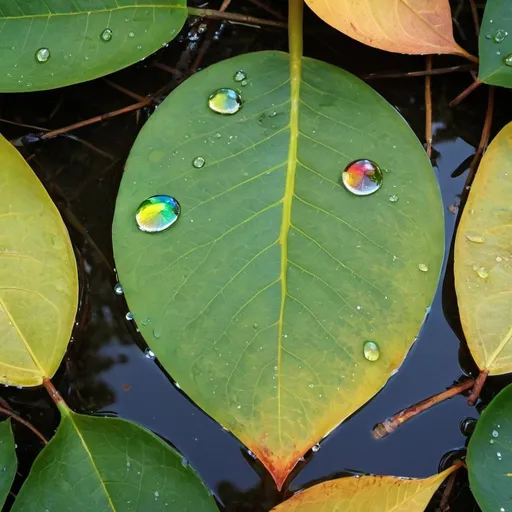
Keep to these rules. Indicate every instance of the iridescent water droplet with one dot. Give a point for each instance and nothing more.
(43, 55)
(423, 267)
(371, 351)
(225, 101)
(362, 177)
(315, 448)
(477, 239)
(393, 198)
(106, 35)
(149, 354)
(239, 76)
(198, 162)
(118, 289)
(499, 36)
(157, 213)
(508, 60)
(129, 316)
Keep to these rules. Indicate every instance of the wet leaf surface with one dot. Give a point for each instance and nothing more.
(8, 461)
(490, 455)
(107, 464)
(260, 298)
(50, 43)
(38, 278)
(366, 494)
(401, 26)
(483, 260)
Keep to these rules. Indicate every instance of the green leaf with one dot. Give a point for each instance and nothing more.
(483, 279)
(73, 33)
(38, 277)
(8, 461)
(489, 457)
(259, 299)
(495, 44)
(107, 464)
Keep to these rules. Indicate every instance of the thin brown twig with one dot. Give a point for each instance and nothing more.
(270, 10)
(225, 5)
(443, 505)
(390, 425)
(122, 89)
(230, 16)
(411, 74)
(466, 92)
(165, 67)
(19, 419)
(477, 388)
(428, 108)
(97, 119)
(474, 14)
(23, 125)
(484, 139)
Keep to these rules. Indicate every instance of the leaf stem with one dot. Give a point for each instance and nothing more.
(230, 16)
(55, 396)
(477, 388)
(428, 108)
(390, 425)
(466, 92)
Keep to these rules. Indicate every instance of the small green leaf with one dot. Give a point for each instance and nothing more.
(489, 457)
(51, 43)
(8, 461)
(260, 298)
(107, 464)
(495, 44)
(38, 277)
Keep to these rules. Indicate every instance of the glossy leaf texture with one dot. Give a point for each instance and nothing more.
(258, 301)
(495, 44)
(367, 494)
(38, 277)
(105, 464)
(8, 461)
(489, 457)
(400, 26)
(483, 260)
(46, 44)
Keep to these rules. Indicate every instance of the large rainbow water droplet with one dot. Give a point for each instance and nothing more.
(225, 101)
(362, 177)
(157, 213)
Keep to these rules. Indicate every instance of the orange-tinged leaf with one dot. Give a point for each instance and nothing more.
(367, 494)
(400, 26)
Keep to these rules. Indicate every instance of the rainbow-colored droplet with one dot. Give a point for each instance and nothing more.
(157, 213)
(225, 101)
(362, 177)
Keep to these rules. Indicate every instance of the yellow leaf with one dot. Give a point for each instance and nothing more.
(483, 259)
(401, 26)
(367, 494)
(38, 277)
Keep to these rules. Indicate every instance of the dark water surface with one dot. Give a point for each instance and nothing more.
(106, 370)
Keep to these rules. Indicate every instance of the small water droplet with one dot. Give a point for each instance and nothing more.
(156, 333)
(139, 47)
(131, 34)
(240, 76)
(499, 36)
(495, 433)
(118, 289)
(243, 83)
(508, 60)
(371, 351)
(225, 101)
(423, 267)
(477, 239)
(157, 494)
(106, 35)
(315, 447)
(43, 55)
(198, 162)
(491, 441)
(157, 213)
(255, 326)
(146, 321)
(482, 273)
(393, 198)
(184, 462)
(149, 354)
(498, 454)
(129, 316)
(362, 177)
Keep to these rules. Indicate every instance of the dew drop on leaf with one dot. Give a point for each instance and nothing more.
(118, 289)
(149, 354)
(131, 34)
(106, 35)
(157, 213)
(508, 60)
(198, 162)
(423, 267)
(499, 36)
(129, 316)
(477, 239)
(225, 101)
(43, 55)
(315, 448)
(240, 76)
(482, 273)
(393, 198)
(362, 177)
(371, 351)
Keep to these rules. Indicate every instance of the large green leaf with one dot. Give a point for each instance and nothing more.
(38, 278)
(495, 44)
(85, 38)
(483, 276)
(259, 299)
(108, 464)
(8, 461)
(489, 457)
